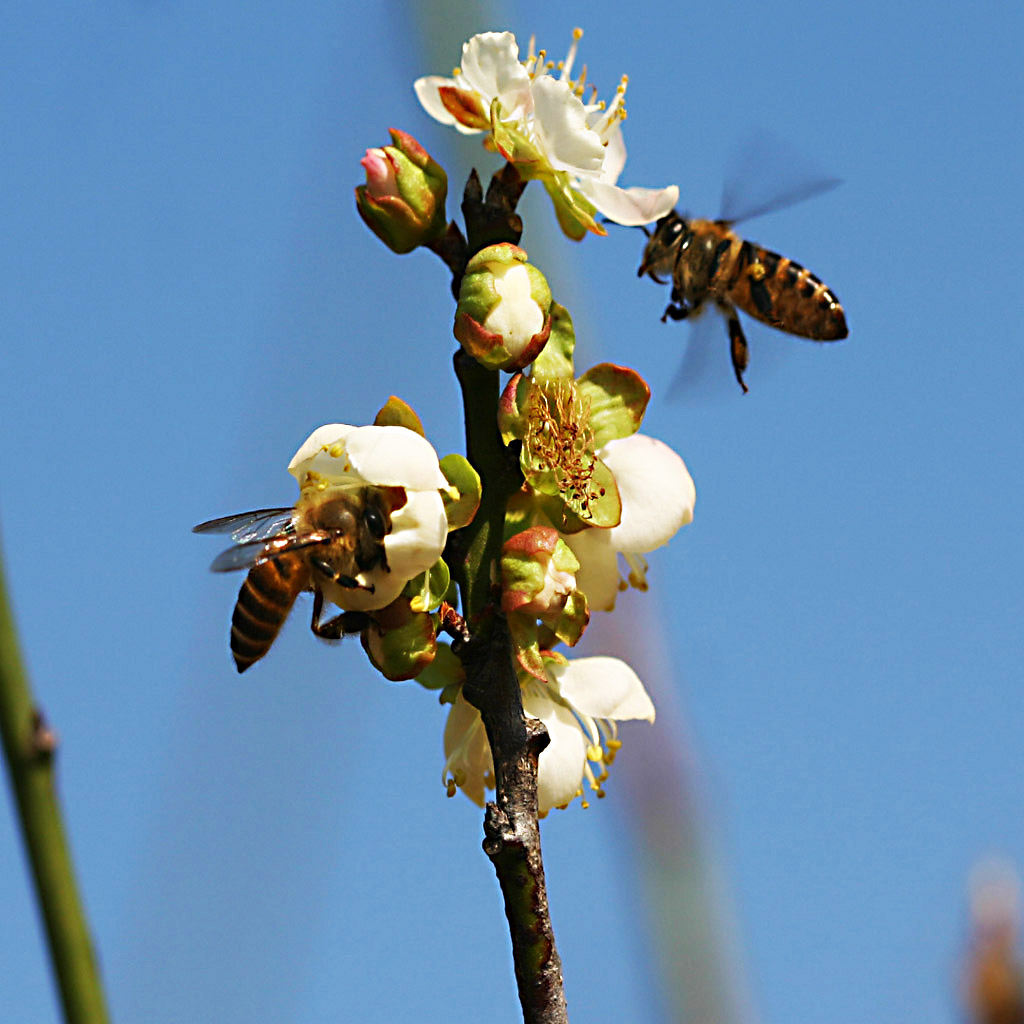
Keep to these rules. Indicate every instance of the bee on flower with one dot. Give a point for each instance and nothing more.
(366, 534)
(548, 128)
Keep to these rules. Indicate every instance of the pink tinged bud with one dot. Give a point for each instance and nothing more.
(380, 174)
(403, 199)
(538, 573)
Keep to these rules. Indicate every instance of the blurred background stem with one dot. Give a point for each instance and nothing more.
(29, 749)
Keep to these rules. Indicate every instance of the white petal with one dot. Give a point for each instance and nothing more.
(614, 154)
(598, 574)
(466, 748)
(517, 317)
(384, 456)
(394, 457)
(560, 768)
(630, 206)
(603, 687)
(330, 433)
(561, 128)
(656, 489)
(490, 67)
(427, 93)
(418, 532)
(386, 587)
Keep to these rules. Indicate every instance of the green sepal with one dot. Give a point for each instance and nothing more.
(403, 643)
(512, 407)
(574, 211)
(573, 621)
(605, 507)
(444, 671)
(555, 362)
(396, 413)
(523, 632)
(617, 397)
(426, 591)
(599, 507)
(465, 480)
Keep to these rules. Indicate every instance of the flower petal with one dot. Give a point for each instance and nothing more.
(418, 532)
(383, 456)
(656, 489)
(490, 66)
(466, 749)
(614, 150)
(561, 127)
(428, 93)
(630, 206)
(602, 687)
(395, 457)
(598, 574)
(560, 768)
(328, 434)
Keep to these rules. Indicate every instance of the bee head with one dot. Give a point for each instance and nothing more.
(662, 247)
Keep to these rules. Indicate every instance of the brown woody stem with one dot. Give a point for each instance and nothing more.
(511, 829)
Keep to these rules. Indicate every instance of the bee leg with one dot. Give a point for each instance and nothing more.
(340, 625)
(677, 308)
(738, 349)
(329, 572)
(676, 311)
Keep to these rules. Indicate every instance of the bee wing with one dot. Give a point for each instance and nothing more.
(768, 175)
(704, 373)
(254, 552)
(247, 527)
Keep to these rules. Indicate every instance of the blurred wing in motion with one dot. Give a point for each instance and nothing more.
(767, 175)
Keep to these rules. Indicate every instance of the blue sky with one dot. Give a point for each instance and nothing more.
(186, 291)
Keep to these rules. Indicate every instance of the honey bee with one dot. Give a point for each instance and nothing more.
(322, 544)
(708, 262)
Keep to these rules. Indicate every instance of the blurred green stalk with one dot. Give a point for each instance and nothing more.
(29, 748)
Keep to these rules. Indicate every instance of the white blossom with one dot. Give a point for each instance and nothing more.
(580, 704)
(338, 456)
(547, 129)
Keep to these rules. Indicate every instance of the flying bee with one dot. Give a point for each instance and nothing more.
(322, 545)
(707, 261)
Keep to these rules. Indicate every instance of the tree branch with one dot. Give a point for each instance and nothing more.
(511, 829)
(29, 748)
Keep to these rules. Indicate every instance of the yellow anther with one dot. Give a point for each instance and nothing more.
(613, 745)
(584, 804)
(450, 787)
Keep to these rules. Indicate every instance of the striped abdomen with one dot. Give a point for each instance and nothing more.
(780, 292)
(266, 598)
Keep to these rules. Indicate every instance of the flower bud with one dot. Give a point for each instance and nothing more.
(403, 199)
(537, 573)
(504, 314)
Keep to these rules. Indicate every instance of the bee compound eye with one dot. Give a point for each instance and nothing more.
(374, 520)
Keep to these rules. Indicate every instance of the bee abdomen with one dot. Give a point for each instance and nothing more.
(264, 601)
(786, 295)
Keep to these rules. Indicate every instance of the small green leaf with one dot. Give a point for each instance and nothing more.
(444, 670)
(405, 647)
(396, 413)
(556, 359)
(618, 398)
(464, 478)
